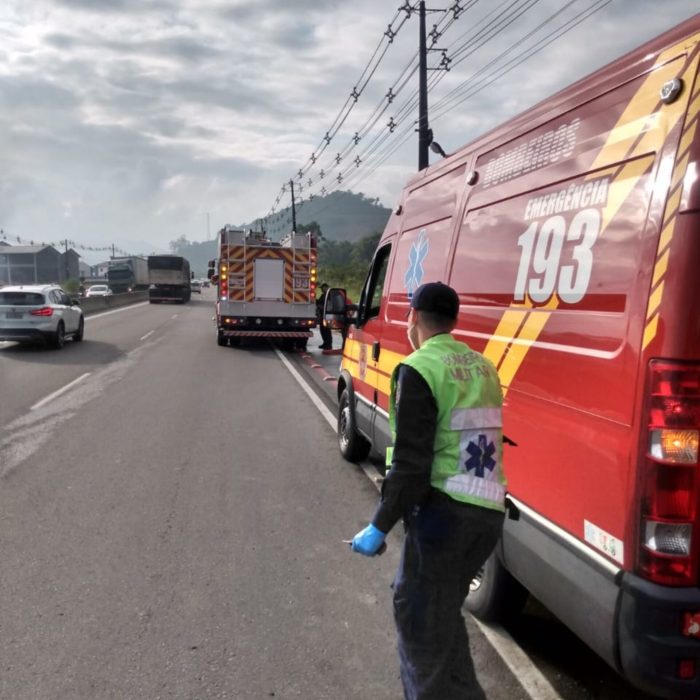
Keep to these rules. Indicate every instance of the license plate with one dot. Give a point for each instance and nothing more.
(14, 314)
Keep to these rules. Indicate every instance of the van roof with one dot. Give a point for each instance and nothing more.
(632, 63)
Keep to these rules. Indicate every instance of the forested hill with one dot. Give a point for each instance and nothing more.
(341, 216)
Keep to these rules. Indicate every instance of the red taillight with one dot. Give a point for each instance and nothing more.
(686, 669)
(670, 486)
(44, 311)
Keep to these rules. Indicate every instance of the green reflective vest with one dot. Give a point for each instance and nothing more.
(468, 452)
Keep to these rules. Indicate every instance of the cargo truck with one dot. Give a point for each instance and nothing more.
(169, 279)
(127, 274)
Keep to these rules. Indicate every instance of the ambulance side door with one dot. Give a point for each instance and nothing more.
(368, 334)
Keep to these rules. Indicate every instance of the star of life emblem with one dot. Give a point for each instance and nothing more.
(416, 255)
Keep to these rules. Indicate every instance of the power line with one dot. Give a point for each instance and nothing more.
(479, 80)
(377, 150)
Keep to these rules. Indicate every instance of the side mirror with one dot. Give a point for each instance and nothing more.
(74, 302)
(210, 272)
(211, 263)
(335, 308)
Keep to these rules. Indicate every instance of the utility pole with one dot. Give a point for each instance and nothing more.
(294, 211)
(423, 130)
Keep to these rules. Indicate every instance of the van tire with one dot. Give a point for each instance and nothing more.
(494, 595)
(353, 446)
(221, 339)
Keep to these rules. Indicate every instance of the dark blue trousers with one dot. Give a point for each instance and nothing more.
(446, 544)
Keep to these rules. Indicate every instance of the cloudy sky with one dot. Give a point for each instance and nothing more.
(134, 122)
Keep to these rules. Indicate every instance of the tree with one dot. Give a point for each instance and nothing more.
(179, 244)
(311, 227)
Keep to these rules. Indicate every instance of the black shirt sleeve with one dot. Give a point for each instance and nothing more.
(408, 481)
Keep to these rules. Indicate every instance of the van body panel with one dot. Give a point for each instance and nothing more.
(572, 236)
(564, 574)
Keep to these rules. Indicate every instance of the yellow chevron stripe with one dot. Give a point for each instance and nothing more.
(694, 107)
(655, 299)
(650, 331)
(672, 204)
(516, 353)
(660, 269)
(680, 171)
(505, 331)
(621, 187)
(666, 235)
(687, 139)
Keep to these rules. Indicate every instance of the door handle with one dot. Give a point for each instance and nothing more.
(375, 350)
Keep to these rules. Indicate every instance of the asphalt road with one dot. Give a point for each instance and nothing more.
(171, 526)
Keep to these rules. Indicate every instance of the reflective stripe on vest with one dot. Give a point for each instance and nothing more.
(468, 451)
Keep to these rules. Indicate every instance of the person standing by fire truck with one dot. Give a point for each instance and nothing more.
(326, 335)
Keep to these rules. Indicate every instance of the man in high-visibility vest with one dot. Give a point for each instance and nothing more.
(446, 482)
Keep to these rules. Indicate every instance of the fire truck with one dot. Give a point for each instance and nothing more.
(266, 289)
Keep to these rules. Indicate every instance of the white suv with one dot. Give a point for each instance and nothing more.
(39, 311)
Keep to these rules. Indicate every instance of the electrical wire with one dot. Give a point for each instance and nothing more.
(384, 144)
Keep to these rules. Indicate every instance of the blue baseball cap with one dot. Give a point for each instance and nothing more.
(436, 298)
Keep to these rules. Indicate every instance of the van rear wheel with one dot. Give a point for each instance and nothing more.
(494, 595)
(353, 446)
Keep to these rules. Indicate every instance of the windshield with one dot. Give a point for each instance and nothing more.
(21, 298)
(165, 263)
(120, 273)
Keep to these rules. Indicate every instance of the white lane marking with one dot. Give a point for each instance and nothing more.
(143, 337)
(174, 315)
(115, 311)
(330, 418)
(526, 673)
(58, 392)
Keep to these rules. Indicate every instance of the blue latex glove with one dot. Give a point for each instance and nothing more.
(368, 541)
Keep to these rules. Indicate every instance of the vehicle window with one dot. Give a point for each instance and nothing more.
(55, 297)
(21, 298)
(374, 287)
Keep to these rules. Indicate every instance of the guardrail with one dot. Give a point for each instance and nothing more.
(92, 305)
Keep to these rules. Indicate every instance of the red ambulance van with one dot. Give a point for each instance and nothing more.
(572, 235)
